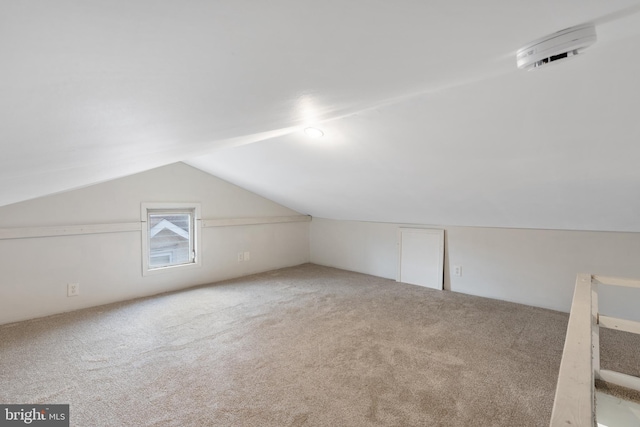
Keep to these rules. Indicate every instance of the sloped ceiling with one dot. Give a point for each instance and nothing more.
(426, 119)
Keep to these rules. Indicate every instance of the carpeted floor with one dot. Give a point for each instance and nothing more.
(307, 345)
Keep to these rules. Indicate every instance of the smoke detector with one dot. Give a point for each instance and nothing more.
(557, 46)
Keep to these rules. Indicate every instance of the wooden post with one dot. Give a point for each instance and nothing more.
(595, 331)
(574, 402)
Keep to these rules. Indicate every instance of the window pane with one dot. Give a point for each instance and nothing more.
(170, 239)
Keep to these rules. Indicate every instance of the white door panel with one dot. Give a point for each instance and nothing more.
(421, 257)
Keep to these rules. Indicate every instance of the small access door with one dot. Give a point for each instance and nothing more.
(421, 257)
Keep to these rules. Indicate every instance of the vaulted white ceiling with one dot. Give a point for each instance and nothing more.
(426, 118)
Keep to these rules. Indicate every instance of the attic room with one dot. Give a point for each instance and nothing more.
(319, 213)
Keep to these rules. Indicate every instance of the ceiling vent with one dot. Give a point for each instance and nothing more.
(557, 46)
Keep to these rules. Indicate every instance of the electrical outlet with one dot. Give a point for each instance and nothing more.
(240, 256)
(73, 289)
(457, 270)
(247, 256)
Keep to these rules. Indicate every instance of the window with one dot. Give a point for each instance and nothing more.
(170, 236)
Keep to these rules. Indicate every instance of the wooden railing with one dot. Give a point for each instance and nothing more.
(574, 403)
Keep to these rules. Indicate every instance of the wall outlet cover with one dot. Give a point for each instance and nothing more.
(73, 289)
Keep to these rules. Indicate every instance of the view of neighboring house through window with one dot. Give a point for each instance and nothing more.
(170, 239)
(170, 236)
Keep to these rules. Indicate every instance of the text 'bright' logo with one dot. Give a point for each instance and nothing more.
(28, 417)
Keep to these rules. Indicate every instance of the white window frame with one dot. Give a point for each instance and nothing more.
(151, 208)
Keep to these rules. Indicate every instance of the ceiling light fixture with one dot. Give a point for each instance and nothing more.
(314, 132)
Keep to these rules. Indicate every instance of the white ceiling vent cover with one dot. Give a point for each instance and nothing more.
(560, 45)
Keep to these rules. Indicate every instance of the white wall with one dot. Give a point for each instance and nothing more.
(534, 267)
(34, 272)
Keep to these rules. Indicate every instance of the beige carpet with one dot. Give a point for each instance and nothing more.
(307, 345)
